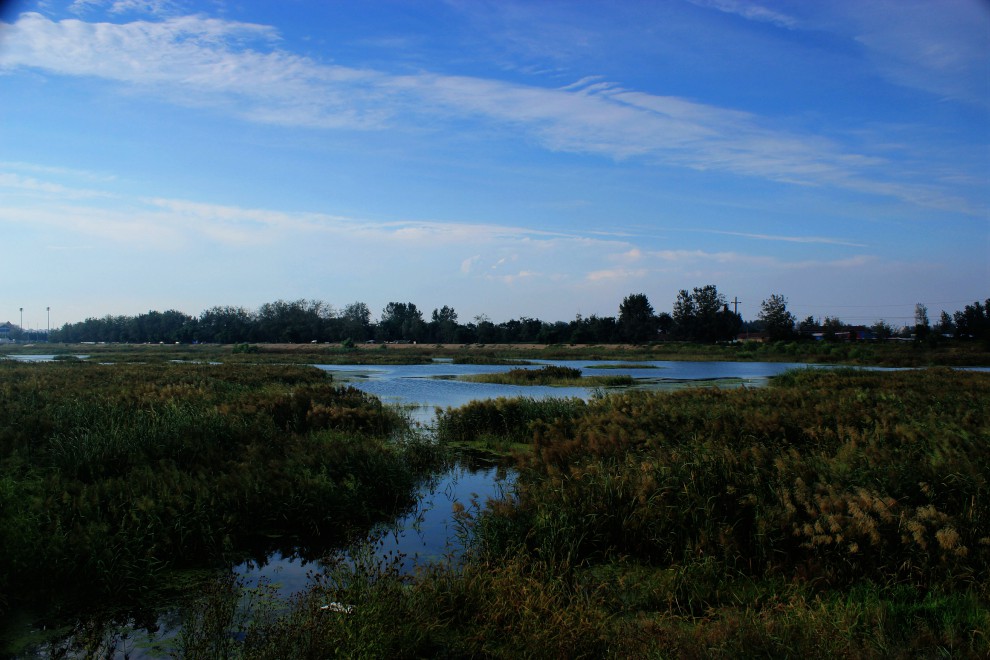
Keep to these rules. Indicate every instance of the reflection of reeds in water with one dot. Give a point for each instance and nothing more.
(113, 474)
(830, 514)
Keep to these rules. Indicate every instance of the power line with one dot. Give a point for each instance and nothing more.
(942, 302)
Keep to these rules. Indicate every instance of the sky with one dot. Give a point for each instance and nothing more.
(506, 158)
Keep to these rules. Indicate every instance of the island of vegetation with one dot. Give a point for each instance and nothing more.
(552, 375)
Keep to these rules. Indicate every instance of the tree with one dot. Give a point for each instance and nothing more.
(401, 321)
(945, 325)
(703, 315)
(224, 325)
(921, 328)
(637, 322)
(444, 327)
(355, 322)
(685, 315)
(882, 330)
(830, 327)
(777, 321)
(974, 321)
(808, 326)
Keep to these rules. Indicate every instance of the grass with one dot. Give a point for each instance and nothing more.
(890, 354)
(112, 477)
(833, 514)
(551, 375)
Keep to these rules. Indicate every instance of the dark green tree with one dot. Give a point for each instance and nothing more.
(831, 326)
(703, 315)
(974, 321)
(224, 325)
(355, 322)
(882, 330)
(921, 326)
(401, 321)
(637, 321)
(778, 323)
(443, 326)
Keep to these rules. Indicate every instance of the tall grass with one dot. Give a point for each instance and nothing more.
(110, 475)
(833, 514)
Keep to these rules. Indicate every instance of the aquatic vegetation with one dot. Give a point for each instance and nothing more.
(113, 475)
(835, 513)
(500, 422)
(552, 375)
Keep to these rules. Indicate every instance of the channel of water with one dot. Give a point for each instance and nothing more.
(431, 532)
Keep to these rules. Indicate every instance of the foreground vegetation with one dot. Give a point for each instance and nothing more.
(114, 476)
(832, 514)
(550, 375)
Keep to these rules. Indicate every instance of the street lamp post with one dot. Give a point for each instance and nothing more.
(48, 332)
(22, 323)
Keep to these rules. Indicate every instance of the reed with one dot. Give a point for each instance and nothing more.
(113, 475)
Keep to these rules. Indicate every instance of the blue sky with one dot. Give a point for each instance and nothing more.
(511, 159)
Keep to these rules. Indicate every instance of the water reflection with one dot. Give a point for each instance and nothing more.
(423, 387)
(430, 532)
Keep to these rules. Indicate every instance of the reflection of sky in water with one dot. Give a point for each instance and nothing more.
(427, 386)
(424, 535)
(429, 532)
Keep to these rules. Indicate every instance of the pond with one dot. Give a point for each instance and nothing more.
(423, 387)
(431, 531)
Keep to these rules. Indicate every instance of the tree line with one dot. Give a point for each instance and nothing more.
(700, 315)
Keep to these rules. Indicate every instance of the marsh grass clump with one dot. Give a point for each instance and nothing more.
(500, 421)
(550, 375)
(833, 514)
(113, 475)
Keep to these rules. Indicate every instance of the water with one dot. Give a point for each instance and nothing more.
(42, 358)
(423, 387)
(428, 533)
(431, 531)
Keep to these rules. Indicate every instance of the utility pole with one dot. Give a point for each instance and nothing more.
(22, 323)
(735, 305)
(48, 332)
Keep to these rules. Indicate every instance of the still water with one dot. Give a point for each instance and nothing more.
(424, 387)
(430, 532)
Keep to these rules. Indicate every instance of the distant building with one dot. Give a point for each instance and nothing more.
(847, 333)
(6, 329)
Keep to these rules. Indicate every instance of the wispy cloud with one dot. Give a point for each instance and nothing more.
(751, 11)
(617, 274)
(32, 185)
(239, 68)
(788, 239)
(150, 7)
(939, 48)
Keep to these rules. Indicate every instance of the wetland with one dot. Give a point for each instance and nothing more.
(164, 507)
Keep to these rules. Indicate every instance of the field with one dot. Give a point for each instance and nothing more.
(118, 480)
(834, 513)
(888, 354)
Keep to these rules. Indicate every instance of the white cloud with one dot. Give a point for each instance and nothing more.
(618, 274)
(31, 185)
(151, 7)
(238, 68)
(790, 239)
(939, 47)
(468, 264)
(750, 11)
